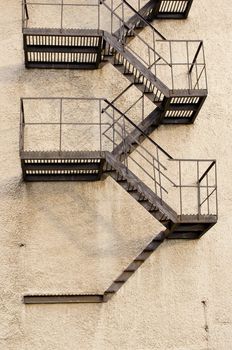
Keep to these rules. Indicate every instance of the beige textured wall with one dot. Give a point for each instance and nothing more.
(78, 237)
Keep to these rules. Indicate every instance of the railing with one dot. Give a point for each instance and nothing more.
(54, 14)
(171, 61)
(133, 104)
(183, 66)
(202, 180)
(187, 190)
(59, 124)
(62, 124)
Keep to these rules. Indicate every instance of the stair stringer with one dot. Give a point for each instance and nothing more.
(120, 173)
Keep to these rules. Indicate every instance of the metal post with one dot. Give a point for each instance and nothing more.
(189, 72)
(154, 175)
(61, 110)
(180, 186)
(199, 191)
(112, 17)
(158, 163)
(206, 81)
(197, 76)
(61, 14)
(207, 186)
(154, 47)
(143, 112)
(170, 49)
(100, 125)
(124, 143)
(22, 126)
(123, 27)
(113, 128)
(99, 19)
(215, 174)
(23, 14)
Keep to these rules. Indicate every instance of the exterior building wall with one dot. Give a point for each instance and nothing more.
(77, 237)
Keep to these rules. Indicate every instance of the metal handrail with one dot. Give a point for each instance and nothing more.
(143, 19)
(140, 130)
(149, 161)
(153, 59)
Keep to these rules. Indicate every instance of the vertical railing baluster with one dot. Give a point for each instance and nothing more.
(112, 17)
(23, 14)
(61, 108)
(198, 191)
(125, 146)
(61, 15)
(180, 187)
(22, 126)
(113, 129)
(188, 64)
(216, 196)
(197, 76)
(154, 46)
(158, 163)
(207, 186)
(154, 171)
(170, 50)
(123, 27)
(206, 80)
(98, 15)
(143, 106)
(100, 125)
(149, 56)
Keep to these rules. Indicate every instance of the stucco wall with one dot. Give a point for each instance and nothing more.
(77, 237)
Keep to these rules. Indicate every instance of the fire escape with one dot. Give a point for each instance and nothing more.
(169, 84)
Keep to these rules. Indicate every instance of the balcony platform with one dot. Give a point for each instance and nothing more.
(64, 49)
(61, 166)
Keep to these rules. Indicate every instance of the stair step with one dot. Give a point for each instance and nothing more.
(142, 200)
(131, 190)
(121, 180)
(127, 187)
(150, 207)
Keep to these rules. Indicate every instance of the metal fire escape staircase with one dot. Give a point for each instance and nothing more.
(140, 166)
(125, 151)
(87, 48)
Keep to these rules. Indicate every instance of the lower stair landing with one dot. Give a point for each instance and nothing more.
(191, 226)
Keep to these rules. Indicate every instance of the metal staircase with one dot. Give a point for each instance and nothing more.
(119, 144)
(154, 73)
